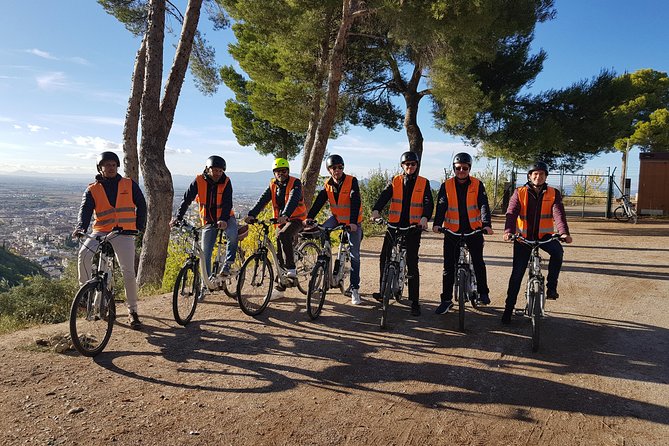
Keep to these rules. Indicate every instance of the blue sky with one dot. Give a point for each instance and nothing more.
(65, 77)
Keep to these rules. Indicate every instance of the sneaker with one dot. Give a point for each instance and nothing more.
(506, 317)
(226, 270)
(415, 309)
(552, 294)
(355, 297)
(378, 297)
(484, 299)
(291, 273)
(444, 307)
(134, 322)
(277, 294)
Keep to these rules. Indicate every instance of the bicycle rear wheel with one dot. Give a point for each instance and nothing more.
(186, 290)
(535, 308)
(306, 256)
(254, 285)
(91, 319)
(620, 214)
(461, 290)
(230, 283)
(387, 292)
(317, 290)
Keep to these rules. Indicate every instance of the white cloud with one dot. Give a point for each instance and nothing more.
(99, 144)
(52, 81)
(6, 119)
(36, 128)
(79, 60)
(17, 127)
(177, 151)
(86, 119)
(42, 54)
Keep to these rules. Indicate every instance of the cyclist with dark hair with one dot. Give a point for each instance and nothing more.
(462, 206)
(410, 203)
(534, 210)
(285, 194)
(343, 193)
(212, 190)
(114, 203)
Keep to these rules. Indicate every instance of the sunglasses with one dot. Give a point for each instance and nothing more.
(411, 164)
(339, 167)
(462, 168)
(281, 171)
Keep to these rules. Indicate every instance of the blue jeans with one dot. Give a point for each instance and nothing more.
(209, 240)
(354, 239)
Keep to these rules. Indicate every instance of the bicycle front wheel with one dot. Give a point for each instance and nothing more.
(461, 292)
(254, 285)
(535, 302)
(230, 283)
(317, 290)
(91, 319)
(387, 292)
(306, 256)
(187, 289)
(620, 214)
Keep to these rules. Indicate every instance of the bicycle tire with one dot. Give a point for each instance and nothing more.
(306, 256)
(461, 292)
(185, 293)
(620, 214)
(535, 299)
(230, 283)
(317, 290)
(89, 332)
(386, 293)
(254, 285)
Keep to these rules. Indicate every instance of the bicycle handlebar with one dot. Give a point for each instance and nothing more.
(522, 239)
(315, 223)
(381, 221)
(457, 234)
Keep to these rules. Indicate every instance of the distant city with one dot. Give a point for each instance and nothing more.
(38, 212)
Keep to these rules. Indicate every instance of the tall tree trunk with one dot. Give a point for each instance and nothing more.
(350, 10)
(412, 98)
(623, 169)
(157, 119)
(131, 125)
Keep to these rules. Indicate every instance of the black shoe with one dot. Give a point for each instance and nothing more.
(484, 299)
(415, 309)
(552, 294)
(444, 307)
(506, 317)
(378, 297)
(134, 321)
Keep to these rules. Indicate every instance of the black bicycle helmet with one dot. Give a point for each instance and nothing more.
(216, 161)
(409, 156)
(538, 165)
(334, 160)
(108, 156)
(463, 158)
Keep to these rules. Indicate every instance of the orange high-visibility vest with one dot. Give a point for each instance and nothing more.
(122, 216)
(452, 217)
(416, 205)
(201, 197)
(546, 217)
(342, 209)
(300, 211)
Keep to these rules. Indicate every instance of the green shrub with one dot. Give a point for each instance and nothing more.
(38, 300)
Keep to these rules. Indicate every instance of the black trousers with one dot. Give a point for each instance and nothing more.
(452, 252)
(521, 255)
(285, 241)
(412, 241)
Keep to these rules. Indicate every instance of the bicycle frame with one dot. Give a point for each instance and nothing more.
(465, 264)
(398, 256)
(336, 274)
(266, 247)
(196, 255)
(103, 276)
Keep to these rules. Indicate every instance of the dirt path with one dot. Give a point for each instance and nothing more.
(600, 378)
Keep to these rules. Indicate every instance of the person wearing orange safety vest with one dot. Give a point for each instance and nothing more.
(462, 206)
(212, 190)
(534, 210)
(343, 193)
(115, 202)
(410, 203)
(285, 194)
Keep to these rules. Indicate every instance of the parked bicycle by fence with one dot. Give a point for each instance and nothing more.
(190, 280)
(625, 211)
(256, 277)
(93, 309)
(535, 291)
(325, 274)
(395, 274)
(465, 278)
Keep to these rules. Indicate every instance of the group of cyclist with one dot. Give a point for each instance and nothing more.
(462, 206)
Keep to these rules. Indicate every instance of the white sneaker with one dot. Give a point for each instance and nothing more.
(276, 294)
(291, 274)
(355, 297)
(203, 292)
